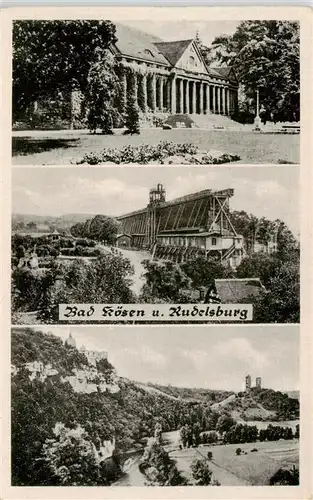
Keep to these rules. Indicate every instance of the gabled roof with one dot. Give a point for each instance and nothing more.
(223, 72)
(138, 44)
(233, 291)
(173, 50)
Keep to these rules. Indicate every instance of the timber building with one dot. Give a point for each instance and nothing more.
(173, 76)
(189, 226)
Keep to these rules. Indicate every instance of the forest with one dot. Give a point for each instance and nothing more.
(53, 426)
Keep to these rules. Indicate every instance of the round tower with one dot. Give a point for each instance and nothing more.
(70, 341)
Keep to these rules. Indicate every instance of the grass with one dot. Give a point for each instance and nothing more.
(253, 469)
(60, 149)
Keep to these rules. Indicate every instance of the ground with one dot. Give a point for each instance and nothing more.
(65, 147)
(249, 469)
(253, 468)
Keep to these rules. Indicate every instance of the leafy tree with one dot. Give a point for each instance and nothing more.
(164, 280)
(285, 477)
(101, 91)
(70, 458)
(132, 116)
(203, 271)
(266, 56)
(201, 472)
(50, 56)
(281, 302)
(159, 468)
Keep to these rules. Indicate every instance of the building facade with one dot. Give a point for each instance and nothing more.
(189, 226)
(172, 77)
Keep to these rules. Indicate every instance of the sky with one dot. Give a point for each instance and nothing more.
(184, 29)
(214, 357)
(272, 192)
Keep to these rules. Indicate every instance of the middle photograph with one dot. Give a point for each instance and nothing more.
(155, 244)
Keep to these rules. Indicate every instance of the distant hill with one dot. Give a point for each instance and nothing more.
(260, 404)
(293, 394)
(64, 220)
(193, 394)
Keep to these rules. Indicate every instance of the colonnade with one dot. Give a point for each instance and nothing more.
(181, 95)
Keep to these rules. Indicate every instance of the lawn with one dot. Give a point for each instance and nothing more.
(253, 468)
(62, 148)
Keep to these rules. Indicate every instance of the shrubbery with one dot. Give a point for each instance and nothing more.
(144, 154)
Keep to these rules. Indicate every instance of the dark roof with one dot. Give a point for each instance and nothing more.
(173, 50)
(222, 72)
(233, 291)
(138, 44)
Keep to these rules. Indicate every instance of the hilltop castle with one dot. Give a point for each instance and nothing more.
(248, 382)
(92, 356)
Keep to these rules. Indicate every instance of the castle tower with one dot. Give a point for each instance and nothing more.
(248, 382)
(258, 382)
(157, 195)
(70, 341)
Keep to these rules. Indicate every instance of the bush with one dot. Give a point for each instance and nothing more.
(201, 472)
(238, 451)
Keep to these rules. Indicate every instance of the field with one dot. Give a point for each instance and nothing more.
(253, 468)
(65, 147)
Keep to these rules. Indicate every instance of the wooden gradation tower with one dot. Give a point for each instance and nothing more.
(195, 224)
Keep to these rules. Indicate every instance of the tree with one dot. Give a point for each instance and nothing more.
(285, 477)
(164, 280)
(201, 472)
(51, 56)
(132, 116)
(203, 271)
(265, 56)
(159, 468)
(101, 90)
(70, 458)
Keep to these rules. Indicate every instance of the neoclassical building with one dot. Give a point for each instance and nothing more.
(172, 77)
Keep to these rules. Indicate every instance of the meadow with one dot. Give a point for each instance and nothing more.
(66, 147)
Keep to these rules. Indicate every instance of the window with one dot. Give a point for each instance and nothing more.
(213, 241)
(192, 61)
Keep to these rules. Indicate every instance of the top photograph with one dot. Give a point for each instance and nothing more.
(99, 92)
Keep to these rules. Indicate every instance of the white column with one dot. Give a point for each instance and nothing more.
(173, 96)
(218, 89)
(228, 101)
(194, 98)
(223, 101)
(214, 98)
(154, 103)
(161, 93)
(201, 99)
(181, 96)
(187, 98)
(207, 90)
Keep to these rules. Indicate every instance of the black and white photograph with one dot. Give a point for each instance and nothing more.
(170, 235)
(168, 406)
(156, 92)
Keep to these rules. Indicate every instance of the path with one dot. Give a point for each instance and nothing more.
(136, 257)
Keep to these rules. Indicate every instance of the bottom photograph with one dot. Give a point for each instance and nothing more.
(155, 406)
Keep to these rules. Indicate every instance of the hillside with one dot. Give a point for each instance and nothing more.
(46, 394)
(207, 396)
(64, 220)
(260, 404)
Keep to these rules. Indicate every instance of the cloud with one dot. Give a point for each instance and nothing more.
(240, 349)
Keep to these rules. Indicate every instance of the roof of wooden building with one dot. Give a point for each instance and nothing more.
(233, 291)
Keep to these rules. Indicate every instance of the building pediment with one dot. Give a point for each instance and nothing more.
(184, 55)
